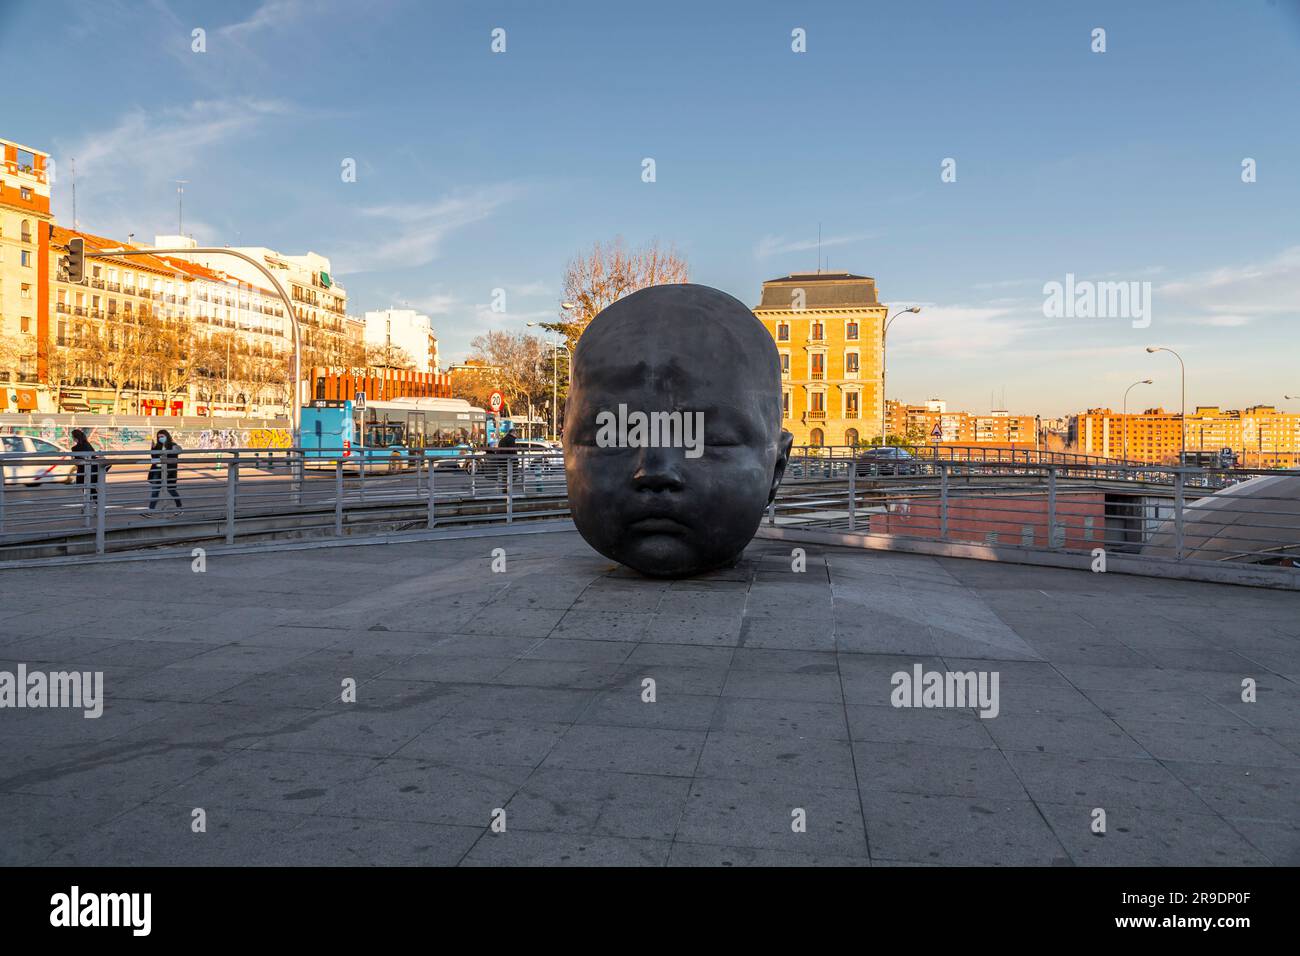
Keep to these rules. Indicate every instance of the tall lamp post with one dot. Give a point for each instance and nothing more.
(884, 334)
(1182, 414)
(555, 374)
(1145, 381)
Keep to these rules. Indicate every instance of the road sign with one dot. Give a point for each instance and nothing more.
(360, 401)
(936, 432)
(496, 401)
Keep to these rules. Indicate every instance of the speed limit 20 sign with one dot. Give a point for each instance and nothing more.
(496, 401)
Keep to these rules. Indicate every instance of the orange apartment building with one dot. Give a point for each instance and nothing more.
(1261, 435)
(24, 274)
(828, 330)
(998, 429)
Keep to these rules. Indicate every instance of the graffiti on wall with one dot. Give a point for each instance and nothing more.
(130, 437)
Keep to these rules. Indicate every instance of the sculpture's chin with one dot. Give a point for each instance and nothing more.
(665, 556)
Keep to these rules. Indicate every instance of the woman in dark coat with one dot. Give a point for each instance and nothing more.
(162, 470)
(87, 462)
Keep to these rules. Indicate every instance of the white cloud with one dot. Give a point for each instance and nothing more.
(271, 14)
(777, 245)
(411, 234)
(1235, 295)
(150, 148)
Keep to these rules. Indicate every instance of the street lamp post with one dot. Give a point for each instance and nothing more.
(884, 333)
(555, 374)
(1182, 414)
(1145, 381)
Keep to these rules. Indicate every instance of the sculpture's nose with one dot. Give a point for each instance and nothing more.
(658, 470)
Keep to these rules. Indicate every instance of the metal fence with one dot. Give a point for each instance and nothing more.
(142, 498)
(1150, 510)
(126, 499)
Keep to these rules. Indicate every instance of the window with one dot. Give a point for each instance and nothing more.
(818, 366)
(25, 291)
(26, 230)
(851, 330)
(25, 258)
(782, 332)
(62, 332)
(818, 403)
(815, 437)
(851, 405)
(24, 192)
(785, 363)
(851, 437)
(25, 323)
(785, 404)
(818, 332)
(851, 364)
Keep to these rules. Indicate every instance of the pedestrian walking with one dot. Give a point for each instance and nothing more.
(88, 463)
(162, 469)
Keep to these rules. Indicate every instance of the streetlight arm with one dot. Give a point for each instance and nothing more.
(295, 396)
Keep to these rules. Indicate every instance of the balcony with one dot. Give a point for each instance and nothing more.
(62, 307)
(97, 283)
(817, 375)
(113, 287)
(816, 414)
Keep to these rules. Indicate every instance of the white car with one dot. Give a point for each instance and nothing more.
(54, 464)
(554, 457)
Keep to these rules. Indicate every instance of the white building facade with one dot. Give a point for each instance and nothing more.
(404, 329)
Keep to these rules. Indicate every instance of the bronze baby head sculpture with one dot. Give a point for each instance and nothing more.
(672, 430)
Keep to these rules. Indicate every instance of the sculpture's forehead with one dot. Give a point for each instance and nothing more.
(670, 373)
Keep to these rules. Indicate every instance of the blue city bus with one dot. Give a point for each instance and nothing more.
(391, 433)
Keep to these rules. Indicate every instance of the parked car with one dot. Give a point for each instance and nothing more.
(886, 460)
(541, 454)
(53, 464)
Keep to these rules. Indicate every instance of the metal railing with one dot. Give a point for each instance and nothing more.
(142, 498)
(1036, 502)
(1009, 501)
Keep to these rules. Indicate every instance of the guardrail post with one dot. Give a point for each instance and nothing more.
(338, 497)
(853, 495)
(510, 489)
(2, 496)
(1051, 506)
(1178, 515)
(298, 461)
(432, 517)
(943, 500)
(101, 508)
(232, 480)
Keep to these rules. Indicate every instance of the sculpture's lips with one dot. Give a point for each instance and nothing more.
(658, 526)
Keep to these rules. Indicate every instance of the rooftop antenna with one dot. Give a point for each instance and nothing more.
(74, 192)
(819, 248)
(180, 206)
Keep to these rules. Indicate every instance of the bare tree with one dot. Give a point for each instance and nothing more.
(389, 356)
(520, 366)
(609, 272)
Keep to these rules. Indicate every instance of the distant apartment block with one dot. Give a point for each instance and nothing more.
(1261, 436)
(404, 329)
(918, 423)
(24, 273)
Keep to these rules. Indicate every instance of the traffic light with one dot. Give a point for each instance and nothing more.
(75, 261)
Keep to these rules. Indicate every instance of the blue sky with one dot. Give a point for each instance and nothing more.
(478, 170)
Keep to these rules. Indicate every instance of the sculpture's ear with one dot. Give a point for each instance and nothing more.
(783, 446)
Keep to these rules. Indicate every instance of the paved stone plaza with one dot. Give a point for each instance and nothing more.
(523, 690)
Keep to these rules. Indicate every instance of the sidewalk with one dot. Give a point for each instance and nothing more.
(523, 691)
